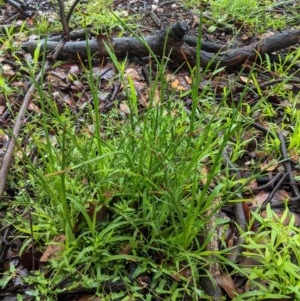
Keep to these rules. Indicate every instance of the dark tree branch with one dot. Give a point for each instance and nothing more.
(180, 52)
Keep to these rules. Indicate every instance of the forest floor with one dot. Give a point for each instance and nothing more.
(138, 178)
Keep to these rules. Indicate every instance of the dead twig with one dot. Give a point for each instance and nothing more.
(288, 168)
(239, 213)
(272, 194)
(16, 130)
(270, 184)
(287, 164)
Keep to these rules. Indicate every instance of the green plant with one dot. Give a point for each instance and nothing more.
(283, 66)
(7, 39)
(46, 23)
(134, 185)
(235, 8)
(102, 19)
(295, 136)
(275, 247)
(5, 88)
(249, 12)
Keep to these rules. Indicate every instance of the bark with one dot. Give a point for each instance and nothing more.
(172, 42)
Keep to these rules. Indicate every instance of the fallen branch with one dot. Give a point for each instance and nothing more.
(19, 122)
(11, 146)
(172, 41)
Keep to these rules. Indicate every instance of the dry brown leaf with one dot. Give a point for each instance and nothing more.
(105, 72)
(225, 282)
(133, 74)
(74, 69)
(170, 77)
(195, 21)
(54, 249)
(124, 108)
(101, 212)
(6, 68)
(258, 199)
(139, 85)
(126, 249)
(188, 80)
(266, 35)
(85, 181)
(175, 84)
(33, 107)
(280, 197)
(204, 172)
(269, 165)
(7, 71)
(179, 85)
(55, 81)
(245, 79)
(2, 109)
(185, 273)
(252, 185)
(245, 37)
(30, 21)
(68, 99)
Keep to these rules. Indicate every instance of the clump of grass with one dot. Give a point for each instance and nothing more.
(131, 195)
(236, 8)
(102, 19)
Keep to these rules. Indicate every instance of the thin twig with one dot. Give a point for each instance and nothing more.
(261, 128)
(270, 183)
(287, 163)
(19, 121)
(277, 186)
(239, 213)
(288, 168)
